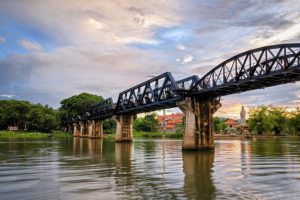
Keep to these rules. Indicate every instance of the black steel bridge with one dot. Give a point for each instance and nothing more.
(198, 97)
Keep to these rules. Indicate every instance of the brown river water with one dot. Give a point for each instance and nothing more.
(148, 169)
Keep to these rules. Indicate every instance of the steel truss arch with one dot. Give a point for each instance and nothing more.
(253, 69)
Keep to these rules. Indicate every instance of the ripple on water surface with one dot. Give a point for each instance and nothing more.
(148, 169)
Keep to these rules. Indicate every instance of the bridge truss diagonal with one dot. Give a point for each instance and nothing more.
(254, 69)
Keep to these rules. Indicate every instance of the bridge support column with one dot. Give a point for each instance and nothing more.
(95, 129)
(198, 131)
(76, 131)
(124, 131)
(83, 129)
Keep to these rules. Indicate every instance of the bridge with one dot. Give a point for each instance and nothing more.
(198, 98)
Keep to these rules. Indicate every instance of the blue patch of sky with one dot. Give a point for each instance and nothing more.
(167, 38)
(14, 31)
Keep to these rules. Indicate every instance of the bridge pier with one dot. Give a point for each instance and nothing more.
(83, 129)
(76, 131)
(95, 129)
(198, 130)
(124, 132)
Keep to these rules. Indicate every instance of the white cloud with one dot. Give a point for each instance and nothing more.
(9, 96)
(89, 23)
(2, 39)
(180, 47)
(102, 62)
(30, 45)
(289, 34)
(187, 59)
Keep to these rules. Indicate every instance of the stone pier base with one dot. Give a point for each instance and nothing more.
(95, 129)
(198, 131)
(124, 131)
(83, 129)
(76, 130)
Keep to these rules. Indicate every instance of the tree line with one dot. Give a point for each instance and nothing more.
(27, 116)
(38, 117)
(273, 120)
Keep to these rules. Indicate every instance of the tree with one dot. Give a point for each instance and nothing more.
(294, 121)
(268, 120)
(219, 124)
(109, 125)
(77, 105)
(148, 124)
(27, 116)
(278, 117)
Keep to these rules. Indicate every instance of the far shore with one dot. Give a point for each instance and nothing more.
(138, 135)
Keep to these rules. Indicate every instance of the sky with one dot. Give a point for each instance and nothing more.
(51, 50)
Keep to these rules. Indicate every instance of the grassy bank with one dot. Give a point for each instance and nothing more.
(33, 135)
(149, 135)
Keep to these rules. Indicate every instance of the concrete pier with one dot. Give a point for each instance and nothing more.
(124, 132)
(198, 131)
(83, 129)
(95, 129)
(76, 130)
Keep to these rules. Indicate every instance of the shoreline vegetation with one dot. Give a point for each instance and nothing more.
(136, 135)
(33, 135)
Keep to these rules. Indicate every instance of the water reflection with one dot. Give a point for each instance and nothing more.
(123, 152)
(83, 146)
(197, 167)
(82, 168)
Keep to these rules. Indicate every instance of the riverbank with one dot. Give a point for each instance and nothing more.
(148, 135)
(137, 135)
(34, 135)
(252, 137)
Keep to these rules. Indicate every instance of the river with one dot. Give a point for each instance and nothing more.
(86, 169)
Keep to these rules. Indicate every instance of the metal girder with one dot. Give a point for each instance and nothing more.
(254, 69)
(152, 92)
(104, 109)
(156, 93)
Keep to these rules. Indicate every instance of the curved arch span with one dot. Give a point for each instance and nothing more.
(254, 69)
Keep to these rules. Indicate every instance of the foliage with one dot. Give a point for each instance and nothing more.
(33, 135)
(219, 124)
(179, 128)
(141, 134)
(148, 135)
(77, 105)
(109, 126)
(273, 120)
(294, 121)
(27, 116)
(147, 124)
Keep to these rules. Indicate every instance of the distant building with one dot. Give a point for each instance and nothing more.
(170, 121)
(12, 128)
(231, 123)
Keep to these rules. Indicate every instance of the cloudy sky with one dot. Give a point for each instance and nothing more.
(50, 50)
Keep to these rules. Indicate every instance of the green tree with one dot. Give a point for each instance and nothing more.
(294, 121)
(219, 124)
(109, 126)
(148, 124)
(77, 105)
(278, 118)
(27, 116)
(270, 119)
(259, 120)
